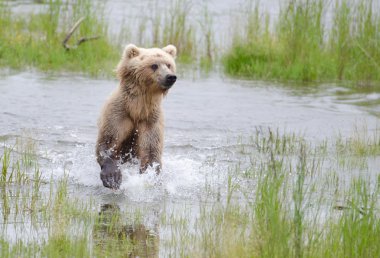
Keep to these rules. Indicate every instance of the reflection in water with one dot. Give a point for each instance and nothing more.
(112, 232)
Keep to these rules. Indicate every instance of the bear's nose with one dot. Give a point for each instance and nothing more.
(170, 80)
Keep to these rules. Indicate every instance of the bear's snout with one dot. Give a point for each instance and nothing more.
(170, 79)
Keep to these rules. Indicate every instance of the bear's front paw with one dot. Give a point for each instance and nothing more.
(111, 176)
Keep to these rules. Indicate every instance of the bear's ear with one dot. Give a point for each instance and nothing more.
(171, 50)
(131, 51)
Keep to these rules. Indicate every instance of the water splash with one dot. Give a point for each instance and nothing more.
(181, 176)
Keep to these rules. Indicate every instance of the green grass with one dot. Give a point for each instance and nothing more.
(297, 45)
(173, 24)
(60, 225)
(286, 197)
(292, 207)
(35, 40)
(176, 28)
(302, 47)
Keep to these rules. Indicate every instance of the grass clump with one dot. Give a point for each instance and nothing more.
(169, 25)
(303, 47)
(42, 218)
(35, 40)
(285, 198)
(290, 207)
(178, 30)
(174, 24)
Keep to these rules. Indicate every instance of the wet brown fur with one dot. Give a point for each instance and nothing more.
(131, 123)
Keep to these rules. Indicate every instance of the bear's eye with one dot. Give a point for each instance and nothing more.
(168, 65)
(154, 67)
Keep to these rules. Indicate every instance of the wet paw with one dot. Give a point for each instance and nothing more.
(111, 176)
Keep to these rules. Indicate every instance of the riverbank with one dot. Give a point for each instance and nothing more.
(310, 41)
(315, 41)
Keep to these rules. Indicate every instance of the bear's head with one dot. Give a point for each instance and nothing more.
(151, 69)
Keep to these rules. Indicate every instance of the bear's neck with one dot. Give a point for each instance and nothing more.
(141, 104)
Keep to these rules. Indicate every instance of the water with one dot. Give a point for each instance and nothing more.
(204, 120)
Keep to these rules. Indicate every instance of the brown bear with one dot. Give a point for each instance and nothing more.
(131, 123)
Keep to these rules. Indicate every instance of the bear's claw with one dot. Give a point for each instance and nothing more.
(112, 181)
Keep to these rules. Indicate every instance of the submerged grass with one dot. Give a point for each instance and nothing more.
(57, 224)
(290, 210)
(305, 45)
(287, 199)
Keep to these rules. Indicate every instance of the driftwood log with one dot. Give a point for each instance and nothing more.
(80, 41)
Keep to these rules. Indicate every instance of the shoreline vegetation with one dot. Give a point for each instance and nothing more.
(309, 41)
(291, 202)
(35, 40)
(305, 44)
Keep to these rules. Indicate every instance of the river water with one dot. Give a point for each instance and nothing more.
(204, 120)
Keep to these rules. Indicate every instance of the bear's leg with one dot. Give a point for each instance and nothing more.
(107, 158)
(111, 145)
(146, 161)
(149, 146)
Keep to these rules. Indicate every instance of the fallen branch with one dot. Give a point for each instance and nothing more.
(80, 41)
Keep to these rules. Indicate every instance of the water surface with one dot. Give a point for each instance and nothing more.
(203, 117)
(204, 120)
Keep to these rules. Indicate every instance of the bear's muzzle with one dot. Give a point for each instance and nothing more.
(170, 79)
